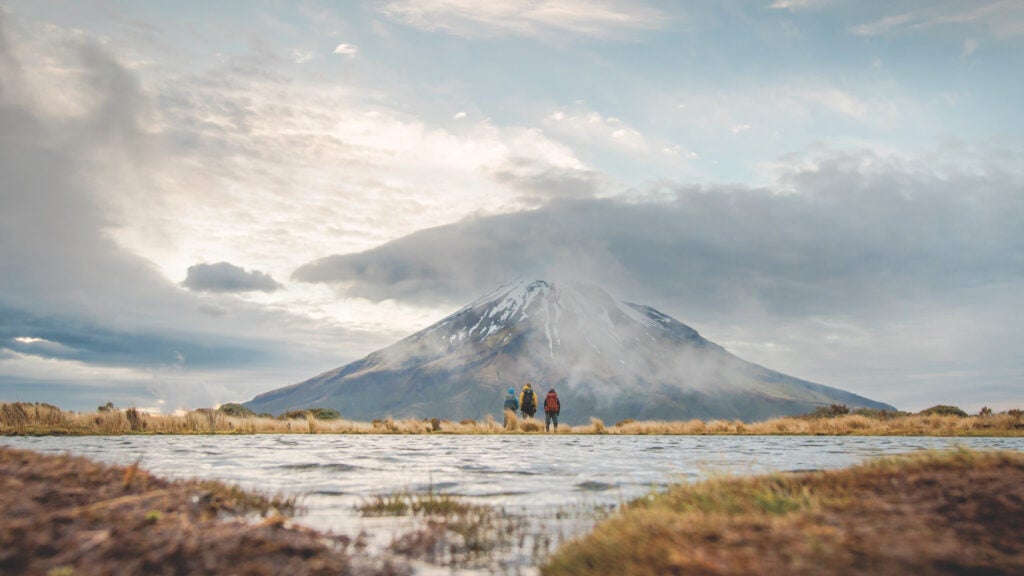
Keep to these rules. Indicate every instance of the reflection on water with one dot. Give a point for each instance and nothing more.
(538, 477)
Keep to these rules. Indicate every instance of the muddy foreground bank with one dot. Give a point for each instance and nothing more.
(63, 515)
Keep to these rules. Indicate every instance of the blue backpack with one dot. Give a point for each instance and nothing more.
(511, 402)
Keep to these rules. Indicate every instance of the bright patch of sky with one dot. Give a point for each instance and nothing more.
(261, 136)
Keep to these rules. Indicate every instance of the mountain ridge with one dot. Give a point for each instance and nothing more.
(607, 358)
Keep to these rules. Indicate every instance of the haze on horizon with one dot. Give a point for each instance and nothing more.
(200, 203)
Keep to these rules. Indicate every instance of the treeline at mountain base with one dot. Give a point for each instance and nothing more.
(22, 418)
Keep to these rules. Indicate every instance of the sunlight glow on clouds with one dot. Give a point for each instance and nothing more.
(347, 50)
(578, 124)
(595, 18)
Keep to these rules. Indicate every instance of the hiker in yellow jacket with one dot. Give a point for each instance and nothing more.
(528, 401)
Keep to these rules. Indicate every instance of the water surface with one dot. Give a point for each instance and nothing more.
(557, 483)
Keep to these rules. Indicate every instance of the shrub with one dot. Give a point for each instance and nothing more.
(830, 411)
(943, 410)
(985, 411)
(878, 413)
(135, 421)
(624, 422)
(324, 413)
(234, 409)
(294, 415)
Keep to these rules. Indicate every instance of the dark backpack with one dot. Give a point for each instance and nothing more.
(529, 404)
(551, 403)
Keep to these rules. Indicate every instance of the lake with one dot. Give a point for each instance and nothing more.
(556, 485)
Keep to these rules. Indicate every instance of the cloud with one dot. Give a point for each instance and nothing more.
(970, 47)
(226, 277)
(302, 56)
(347, 50)
(793, 112)
(539, 181)
(74, 302)
(369, 173)
(594, 19)
(795, 5)
(580, 124)
(844, 232)
(1002, 18)
(882, 275)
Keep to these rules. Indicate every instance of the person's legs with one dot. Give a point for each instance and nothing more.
(554, 418)
(547, 422)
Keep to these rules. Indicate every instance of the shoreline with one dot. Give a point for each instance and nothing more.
(25, 419)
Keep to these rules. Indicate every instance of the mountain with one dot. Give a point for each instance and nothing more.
(606, 358)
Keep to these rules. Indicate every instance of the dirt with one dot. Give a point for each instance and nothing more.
(63, 515)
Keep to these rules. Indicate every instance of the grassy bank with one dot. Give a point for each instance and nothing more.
(954, 512)
(62, 515)
(21, 418)
(933, 513)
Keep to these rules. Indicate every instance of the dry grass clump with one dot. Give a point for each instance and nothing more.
(933, 513)
(1008, 423)
(511, 422)
(531, 425)
(21, 418)
(455, 532)
(31, 419)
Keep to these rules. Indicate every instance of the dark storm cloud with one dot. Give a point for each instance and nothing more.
(852, 232)
(226, 277)
(76, 337)
(539, 181)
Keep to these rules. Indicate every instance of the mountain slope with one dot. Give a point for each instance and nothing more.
(606, 358)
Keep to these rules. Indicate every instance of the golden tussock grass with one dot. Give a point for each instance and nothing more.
(951, 512)
(21, 418)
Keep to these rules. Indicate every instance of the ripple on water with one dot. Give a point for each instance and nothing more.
(320, 467)
(474, 469)
(594, 486)
(434, 487)
(329, 493)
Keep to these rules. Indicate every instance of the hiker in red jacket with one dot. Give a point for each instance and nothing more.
(551, 409)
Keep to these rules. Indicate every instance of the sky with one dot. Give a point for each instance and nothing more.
(200, 202)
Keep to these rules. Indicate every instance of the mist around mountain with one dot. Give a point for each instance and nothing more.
(606, 358)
